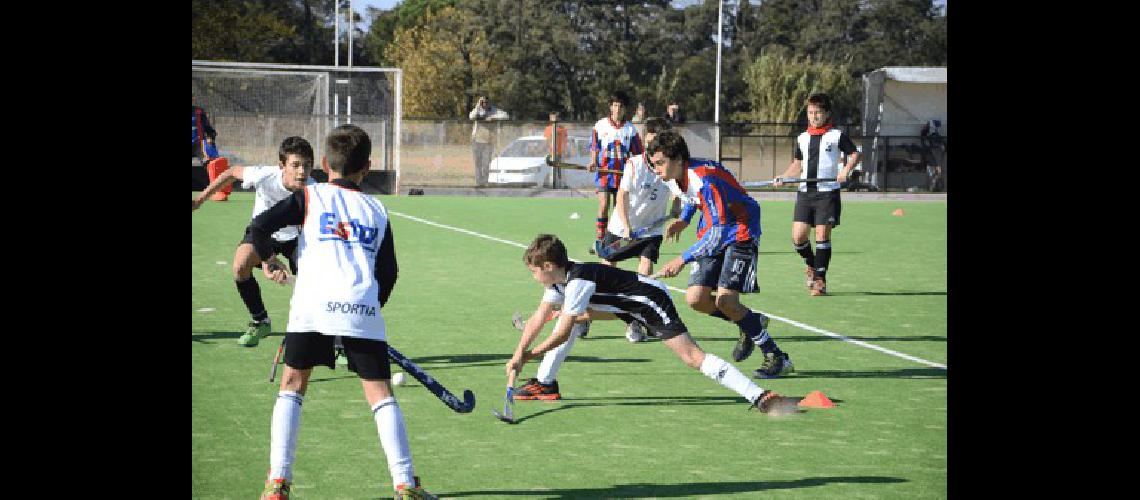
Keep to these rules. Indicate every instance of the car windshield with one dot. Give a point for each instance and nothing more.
(520, 149)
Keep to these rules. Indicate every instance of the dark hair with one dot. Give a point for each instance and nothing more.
(546, 248)
(657, 125)
(347, 149)
(671, 144)
(820, 100)
(619, 96)
(294, 145)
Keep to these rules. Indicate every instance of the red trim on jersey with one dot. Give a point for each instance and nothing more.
(615, 125)
(821, 130)
(740, 213)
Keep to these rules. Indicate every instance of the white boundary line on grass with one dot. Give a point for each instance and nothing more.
(792, 322)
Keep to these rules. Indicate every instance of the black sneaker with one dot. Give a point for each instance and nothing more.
(775, 364)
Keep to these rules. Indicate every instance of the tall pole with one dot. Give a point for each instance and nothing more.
(719, 44)
(350, 16)
(336, 35)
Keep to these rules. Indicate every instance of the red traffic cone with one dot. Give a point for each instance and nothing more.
(816, 399)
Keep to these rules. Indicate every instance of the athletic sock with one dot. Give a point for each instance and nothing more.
(600, 227)
(823, 248)
(251, 294)
(727, 375)
(552, 360)
(283, 434)
(805, 252)
(394, 439)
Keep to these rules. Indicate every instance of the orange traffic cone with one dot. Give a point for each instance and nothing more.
(215, 168)
(898, 212)
(816, 399)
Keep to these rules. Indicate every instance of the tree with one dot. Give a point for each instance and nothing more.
(779, 85)
(236, 31)
(440, 58)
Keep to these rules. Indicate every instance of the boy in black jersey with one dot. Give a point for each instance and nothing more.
(593, 291)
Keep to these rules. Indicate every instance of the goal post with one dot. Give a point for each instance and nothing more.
(253, 106)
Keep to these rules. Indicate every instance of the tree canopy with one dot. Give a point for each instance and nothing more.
(533, 56)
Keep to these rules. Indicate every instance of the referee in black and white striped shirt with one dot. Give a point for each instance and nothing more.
(817, 203)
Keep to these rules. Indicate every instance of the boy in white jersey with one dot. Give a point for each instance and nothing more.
(818, 203)
(271, 184)
(591, 291)
(346, 247)
(612, 142)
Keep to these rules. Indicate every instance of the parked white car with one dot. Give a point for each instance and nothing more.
(523, 162)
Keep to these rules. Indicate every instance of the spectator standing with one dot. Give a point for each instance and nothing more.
(481, 144)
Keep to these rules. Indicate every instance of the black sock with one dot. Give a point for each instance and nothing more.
(251, 294)
(805, 252)
(823, 248)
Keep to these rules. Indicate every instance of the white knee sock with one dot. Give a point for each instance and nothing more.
(552, 360)
(283, 434)
(728, 376)
(394, 440)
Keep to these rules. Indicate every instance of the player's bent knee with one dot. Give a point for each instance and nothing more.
(727, 303)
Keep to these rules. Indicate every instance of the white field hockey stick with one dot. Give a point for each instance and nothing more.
(508, 414)
(785, 180)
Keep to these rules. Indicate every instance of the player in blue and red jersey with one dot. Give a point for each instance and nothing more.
(724, 256)
(613, 141)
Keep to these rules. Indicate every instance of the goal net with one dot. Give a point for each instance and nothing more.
(254, 106)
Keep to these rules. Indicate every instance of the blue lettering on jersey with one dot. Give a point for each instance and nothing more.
(351, 232)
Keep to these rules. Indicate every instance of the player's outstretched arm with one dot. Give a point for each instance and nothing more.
(230, 175)
(793, 170)
(530, 332)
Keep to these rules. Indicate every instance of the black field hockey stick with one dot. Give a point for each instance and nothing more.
(636, 237)
(785, 180)
(435, 387)
(277, 359)
(575, 166)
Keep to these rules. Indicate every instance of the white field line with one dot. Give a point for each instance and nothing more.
(792, 322)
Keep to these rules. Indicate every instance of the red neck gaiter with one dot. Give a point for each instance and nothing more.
(821, 130)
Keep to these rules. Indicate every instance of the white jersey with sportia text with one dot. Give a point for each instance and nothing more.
(829, 154)
(269, 189)
(648, 199)
(338, 293)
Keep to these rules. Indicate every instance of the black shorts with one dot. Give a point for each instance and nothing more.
(649, 248)
(286, 248)
(368, 358)
(660, 318)
(734, 269)
(818, 208)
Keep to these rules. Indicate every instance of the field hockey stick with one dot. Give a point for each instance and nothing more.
(276, 360)
(785, 180)
(436, 388)
(508, 414)
(574, 166)
(635, 238)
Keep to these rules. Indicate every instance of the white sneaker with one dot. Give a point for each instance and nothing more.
(635, 332)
